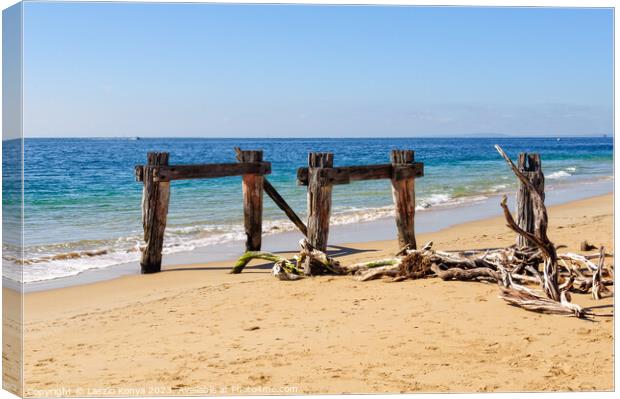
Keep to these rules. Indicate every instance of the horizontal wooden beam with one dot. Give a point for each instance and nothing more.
(347, 174)
(415, 170)
(206, 171)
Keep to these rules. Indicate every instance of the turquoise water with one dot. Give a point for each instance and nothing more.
(82, 204)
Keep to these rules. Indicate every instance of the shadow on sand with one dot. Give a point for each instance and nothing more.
(335, 251)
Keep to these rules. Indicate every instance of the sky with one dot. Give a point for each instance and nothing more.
(200, 70)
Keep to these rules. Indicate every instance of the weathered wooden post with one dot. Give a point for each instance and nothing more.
(279, 201)
(252, 202)
(530, 166)
(320, 165)
(403, 192)
(155, 199)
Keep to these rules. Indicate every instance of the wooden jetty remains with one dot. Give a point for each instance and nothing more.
(321, 175)
(157, 175)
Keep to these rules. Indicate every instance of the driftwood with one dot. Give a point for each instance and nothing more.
(249, 255)
(530, 167)
(512, 268)
(462, 265)
(539, 238)
(319, 259)
(597, 279)
(537, 303)
(378, 272)
(358, 268)
(477, 273)
(416, 264)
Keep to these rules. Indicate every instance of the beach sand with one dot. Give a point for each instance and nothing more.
(199, 330)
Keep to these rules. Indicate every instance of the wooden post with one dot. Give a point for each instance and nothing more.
(403, 192)
(530, 165)
(279, 201)
(252, 202)
(319, 202)
(155, 199)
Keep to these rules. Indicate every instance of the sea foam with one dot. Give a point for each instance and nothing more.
(64, 260)
(558, 175)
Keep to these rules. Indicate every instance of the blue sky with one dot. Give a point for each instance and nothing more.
(106, 69)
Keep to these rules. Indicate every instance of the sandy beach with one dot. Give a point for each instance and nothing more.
(150, 149)
(199, 330)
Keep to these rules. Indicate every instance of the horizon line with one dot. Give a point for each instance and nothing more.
(465, 136)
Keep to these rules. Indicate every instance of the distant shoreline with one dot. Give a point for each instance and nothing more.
(435, 137)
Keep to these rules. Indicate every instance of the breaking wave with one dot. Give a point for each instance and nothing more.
(558, 175)
(47, 262)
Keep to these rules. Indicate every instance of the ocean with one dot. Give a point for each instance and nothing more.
(82, 203)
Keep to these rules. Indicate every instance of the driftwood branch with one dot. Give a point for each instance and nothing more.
(248, 256)
(540, 239)
(538, 303)
(597, 279)
(478, 273)
(502, 265)
(378, 272)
